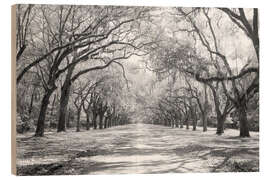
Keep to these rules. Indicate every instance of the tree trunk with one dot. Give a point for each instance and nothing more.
(220, 124)
(205, 110)
(194, 120)
(106, 122)
(172, 123)
(204, 119)
(78, 120)
(165, 122)
(68, 120)
(194, 124)
(116, 121)
(101, 120)
(220, 118)
(110, 122)
(51, 124)
(94, 120)
(187, 123)
(242, 115)
(181, 121)
(120, 122)
(87, 121)
(181, 124)
(42, 113)
(177, 123)
(169, 123)
(65, 91)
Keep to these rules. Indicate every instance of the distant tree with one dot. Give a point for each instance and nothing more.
(82, 92)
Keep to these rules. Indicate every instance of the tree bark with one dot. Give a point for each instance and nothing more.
(110, 122)
(68, 120)
(169, 123)
(94, 120)
(242, 115)
(181, 121)
(205, 112)
(220, 124)
(106, 122)
(204, 122)
(187, 123)
(181, 124)
(101, 120)
(194, 119)
(42, 113)
(87, 121)
(116, 121)
(65, 92)
(165, 122)
(220, 117)
(177, 123)
(194, 124)
(172, 123)
(78, 120)
(51, 124)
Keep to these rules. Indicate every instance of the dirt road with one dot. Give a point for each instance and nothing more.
(136, 148)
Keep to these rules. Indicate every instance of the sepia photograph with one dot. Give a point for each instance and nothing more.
(109, 89)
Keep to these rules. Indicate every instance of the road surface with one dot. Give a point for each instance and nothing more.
(135, 148)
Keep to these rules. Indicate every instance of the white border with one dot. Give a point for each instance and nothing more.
(5, 99)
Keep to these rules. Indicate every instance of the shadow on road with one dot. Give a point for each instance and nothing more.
(136, 149)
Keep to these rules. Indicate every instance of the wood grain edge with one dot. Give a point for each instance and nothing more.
(13, 90)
